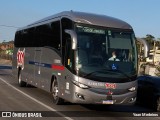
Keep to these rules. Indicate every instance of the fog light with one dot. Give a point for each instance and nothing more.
(132, 100)
(80, 96)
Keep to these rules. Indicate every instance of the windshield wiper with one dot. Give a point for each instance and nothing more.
(109, 71)
(97, 71)
(123, 73)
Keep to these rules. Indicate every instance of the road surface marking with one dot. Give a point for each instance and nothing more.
(39, 102)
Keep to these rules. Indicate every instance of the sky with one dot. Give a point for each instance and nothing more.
(142, 15)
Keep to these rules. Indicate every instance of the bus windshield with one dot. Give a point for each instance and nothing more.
(106, 53)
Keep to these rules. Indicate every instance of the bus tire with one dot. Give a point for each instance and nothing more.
(20, 82)
(56, 100)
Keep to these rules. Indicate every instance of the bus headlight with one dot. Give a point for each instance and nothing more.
(80, 85)
(132, 89)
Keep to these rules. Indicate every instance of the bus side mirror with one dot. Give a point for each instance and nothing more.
(146, 47)
(73, 38)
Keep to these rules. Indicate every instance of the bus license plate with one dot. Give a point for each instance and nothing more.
(107, 101)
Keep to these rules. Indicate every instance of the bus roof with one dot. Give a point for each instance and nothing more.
(86, 18)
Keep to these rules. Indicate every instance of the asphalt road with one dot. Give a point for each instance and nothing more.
(26, 100)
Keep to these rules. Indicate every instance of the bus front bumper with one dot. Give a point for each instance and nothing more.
(86, 96)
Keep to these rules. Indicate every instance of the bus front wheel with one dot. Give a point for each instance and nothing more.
(57, 100)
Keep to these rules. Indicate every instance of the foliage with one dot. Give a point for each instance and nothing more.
(150, 39)
(158, 70)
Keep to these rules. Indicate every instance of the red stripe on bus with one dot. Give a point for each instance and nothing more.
(57, 67)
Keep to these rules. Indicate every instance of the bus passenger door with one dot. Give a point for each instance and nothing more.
(37, 69)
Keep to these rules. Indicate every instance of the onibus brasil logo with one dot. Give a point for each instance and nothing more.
(20, 58)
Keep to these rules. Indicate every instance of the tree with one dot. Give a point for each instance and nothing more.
(150, 39)
(157, 71)
(158, 42)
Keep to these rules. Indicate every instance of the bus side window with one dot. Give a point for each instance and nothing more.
(18, 42)
(56, 33)
(66, 24)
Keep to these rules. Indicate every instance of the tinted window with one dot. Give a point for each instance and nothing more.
(66, 24)
(40, 36)
(17, 40)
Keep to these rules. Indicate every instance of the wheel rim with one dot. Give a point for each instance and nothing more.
(55, 90)
(19, 78)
